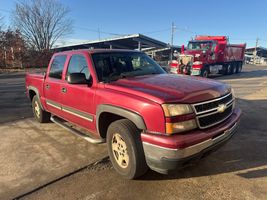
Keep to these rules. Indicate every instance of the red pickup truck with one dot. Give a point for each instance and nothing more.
(148, 118)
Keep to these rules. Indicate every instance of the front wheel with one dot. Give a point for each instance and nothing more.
(125, 149)
(39, 114)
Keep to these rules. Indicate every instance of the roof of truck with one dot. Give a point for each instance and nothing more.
(91, 51)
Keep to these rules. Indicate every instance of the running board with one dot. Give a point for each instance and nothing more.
(60, 122)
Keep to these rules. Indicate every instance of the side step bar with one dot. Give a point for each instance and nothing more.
(60, 122)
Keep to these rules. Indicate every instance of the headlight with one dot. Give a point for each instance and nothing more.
(181, 126)
(171, 110)
(197, 63)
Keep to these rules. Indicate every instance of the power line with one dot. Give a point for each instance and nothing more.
(157, 31)
(97, 31)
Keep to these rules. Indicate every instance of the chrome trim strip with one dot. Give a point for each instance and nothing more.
(205, 102)
(78, 113)
(205, 115)
(205, 111)
(72, 111)
(158, 153)
(53, 104)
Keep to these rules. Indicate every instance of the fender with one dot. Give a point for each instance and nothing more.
(37, 94)
(134, 117)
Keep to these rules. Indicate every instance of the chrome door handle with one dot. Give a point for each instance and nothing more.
(47, 86)
(64, 90)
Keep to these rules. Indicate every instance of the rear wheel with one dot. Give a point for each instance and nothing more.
(39, 114)
(239, 67)
(205, 72)
(234, 68)
(228, 69)
(125, 149)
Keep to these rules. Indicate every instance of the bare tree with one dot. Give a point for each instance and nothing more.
(42, 22)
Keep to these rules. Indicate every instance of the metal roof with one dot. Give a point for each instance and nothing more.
(134, 41)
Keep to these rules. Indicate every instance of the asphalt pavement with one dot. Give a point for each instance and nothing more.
(46, 162)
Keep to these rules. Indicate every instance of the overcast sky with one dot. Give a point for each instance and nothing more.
(242, 20)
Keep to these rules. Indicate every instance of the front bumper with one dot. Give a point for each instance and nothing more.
(164, 159)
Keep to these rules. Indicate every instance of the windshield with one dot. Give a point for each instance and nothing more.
(112, 66)
(199, 45)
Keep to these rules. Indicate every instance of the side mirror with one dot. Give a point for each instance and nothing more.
(77, 78)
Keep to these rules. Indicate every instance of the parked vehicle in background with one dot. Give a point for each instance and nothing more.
(147, 117)
(207, 55)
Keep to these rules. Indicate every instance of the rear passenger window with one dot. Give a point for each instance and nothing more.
(57, 66)
(78, 64)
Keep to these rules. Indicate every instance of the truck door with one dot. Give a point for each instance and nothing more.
(78, 99)
(52, 85)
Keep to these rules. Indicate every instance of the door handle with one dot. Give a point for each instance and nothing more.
(64, 90)
(47, 86)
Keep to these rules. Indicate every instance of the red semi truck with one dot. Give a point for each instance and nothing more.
(147, 117)
(209, 55)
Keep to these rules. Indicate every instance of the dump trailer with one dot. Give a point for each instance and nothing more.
(207, 55)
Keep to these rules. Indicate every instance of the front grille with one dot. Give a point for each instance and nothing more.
(209, 113)
(213, 104)
(214, 119)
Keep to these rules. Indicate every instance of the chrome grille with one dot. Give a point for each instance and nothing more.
(209, 114)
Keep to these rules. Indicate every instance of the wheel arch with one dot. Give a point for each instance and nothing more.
(106, 114)
(32, 91)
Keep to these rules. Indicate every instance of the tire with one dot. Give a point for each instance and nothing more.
(205, 72)
(234, 68)
(39, 114)
(125, 149)
(239, 67)
(228, 69)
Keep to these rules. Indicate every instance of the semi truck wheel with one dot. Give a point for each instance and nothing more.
(233, 68)
(125, 149)
(205, 72)
(228, 69)
(239, 67)
(39, 114)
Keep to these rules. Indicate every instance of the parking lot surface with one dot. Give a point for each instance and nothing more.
(37, 161)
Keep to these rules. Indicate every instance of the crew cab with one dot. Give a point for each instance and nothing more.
(148, 118)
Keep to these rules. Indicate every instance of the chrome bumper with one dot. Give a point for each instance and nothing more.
(154, 153)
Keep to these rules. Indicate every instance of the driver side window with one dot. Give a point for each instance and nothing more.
(78, 64)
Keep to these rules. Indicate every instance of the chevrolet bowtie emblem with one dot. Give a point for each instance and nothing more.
(221, 108)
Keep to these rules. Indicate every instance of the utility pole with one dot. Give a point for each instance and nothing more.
(98, 33)
(255, 51)
(172, 34)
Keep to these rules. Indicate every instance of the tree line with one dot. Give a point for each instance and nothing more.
(36, 25)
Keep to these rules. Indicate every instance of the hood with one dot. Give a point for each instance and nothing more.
(168, 88)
